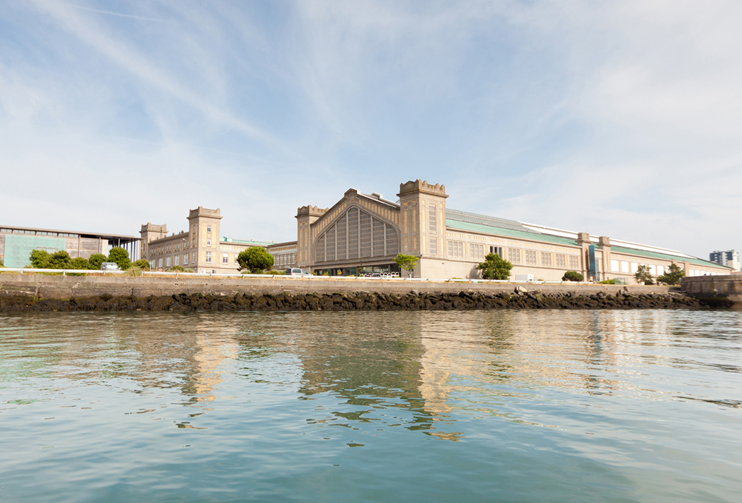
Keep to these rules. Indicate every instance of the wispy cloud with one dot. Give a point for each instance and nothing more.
(621, 118)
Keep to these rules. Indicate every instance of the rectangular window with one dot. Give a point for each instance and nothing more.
(177, 260)
(193, 257)
(624, 266)
(530, 257)
(497, 250)
(160, 263)
(514, 255)
(546, 259)
(476, 252)
(151, 264)
(208, 257)
(615, 266)
(208, 242)
(561, 260)
(225, 258)
(185, 259)
(167, 262)
(660, 270)
(634, 267)
(574, 262)
(208, 228)
(652, 270)
(456, 249)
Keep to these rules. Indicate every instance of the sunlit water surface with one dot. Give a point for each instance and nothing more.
(384, 406)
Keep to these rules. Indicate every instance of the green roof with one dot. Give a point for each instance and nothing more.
(545, 238)
(488, 229)
(246, 242)
(665, 256)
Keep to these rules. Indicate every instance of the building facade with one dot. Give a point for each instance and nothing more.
(17, 243)
(201, 248)
(363, 233)
(729, 258)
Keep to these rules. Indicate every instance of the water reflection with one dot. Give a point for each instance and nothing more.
(426, 371)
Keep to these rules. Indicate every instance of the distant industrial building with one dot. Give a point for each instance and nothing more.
(17, 243)
(729, 258)
(363, 233)
(202, 248)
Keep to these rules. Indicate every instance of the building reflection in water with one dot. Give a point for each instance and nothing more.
(358, 367)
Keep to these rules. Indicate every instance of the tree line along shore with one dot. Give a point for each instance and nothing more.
(520, 298)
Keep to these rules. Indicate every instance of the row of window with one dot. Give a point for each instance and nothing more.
(624, 266)
(515, 255)
(158, 250)
(38, 233)
(285, 259)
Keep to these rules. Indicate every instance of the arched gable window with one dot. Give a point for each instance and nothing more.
(356, 234)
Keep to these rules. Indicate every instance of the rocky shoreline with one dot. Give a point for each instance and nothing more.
(520, 298)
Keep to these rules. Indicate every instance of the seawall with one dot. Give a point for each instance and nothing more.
(67, 287)
(706, 287)
(60, 293)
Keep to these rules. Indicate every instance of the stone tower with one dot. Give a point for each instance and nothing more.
(305, 217)
(204, 232)
(422, 219)
(150, 232)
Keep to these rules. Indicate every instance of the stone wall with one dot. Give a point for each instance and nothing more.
(67, 287)
(725, 286)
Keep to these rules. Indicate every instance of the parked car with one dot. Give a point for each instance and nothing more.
(295, 271)
(109, 266)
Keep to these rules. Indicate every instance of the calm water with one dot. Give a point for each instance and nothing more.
(352, 406)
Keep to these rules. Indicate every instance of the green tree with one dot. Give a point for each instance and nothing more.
(79, 263)
(120, 256)
(406, 262)
(672, 275)
(60, 260)
(40, 259)
(573, 276)
(643, 275)
(95, 260)
(255, 259)
(143, 264)
(495, 267)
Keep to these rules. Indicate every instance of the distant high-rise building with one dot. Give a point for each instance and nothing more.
(729, 258)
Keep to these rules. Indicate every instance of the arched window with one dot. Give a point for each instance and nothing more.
(356, 234)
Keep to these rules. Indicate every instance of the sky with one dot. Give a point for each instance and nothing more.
(621, 119)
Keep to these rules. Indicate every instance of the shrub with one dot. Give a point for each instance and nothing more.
(276, 273)
(40, 259)
(176, 268)
(672, 275)
(607, 282)
(120, 256)
(60, 260)
(95, 260)
(643, 275)
(141, 263)
(133, 271)
(573, 276)
(495, 267)
(256, 259)
(1, 264)
(79, 263)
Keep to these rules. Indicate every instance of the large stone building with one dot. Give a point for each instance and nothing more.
(201, 248)
(17, 243)
(363, 233)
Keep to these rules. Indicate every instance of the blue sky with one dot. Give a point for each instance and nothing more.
(615, 118)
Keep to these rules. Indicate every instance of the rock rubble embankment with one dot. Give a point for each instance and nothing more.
(521, 298)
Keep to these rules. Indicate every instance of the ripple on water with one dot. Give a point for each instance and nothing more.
(371, 406)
